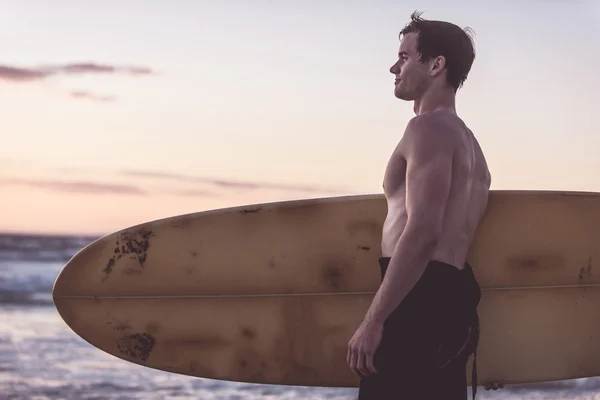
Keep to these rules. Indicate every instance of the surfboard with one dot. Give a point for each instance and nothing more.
(272, 293)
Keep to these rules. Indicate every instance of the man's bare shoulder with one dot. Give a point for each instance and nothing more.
(433, 133)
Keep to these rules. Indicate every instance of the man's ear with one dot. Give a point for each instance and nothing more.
(436, 65)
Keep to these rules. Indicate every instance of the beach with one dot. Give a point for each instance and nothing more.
(41, 358)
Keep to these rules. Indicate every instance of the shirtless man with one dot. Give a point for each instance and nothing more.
(422, 325)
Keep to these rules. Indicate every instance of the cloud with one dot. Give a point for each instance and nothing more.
(76, 186)
(142, 182)
(84, 68)
(26, 75)
(100, 188)
(90, 96)
(21, 74)
(229, 184)
(195, 193)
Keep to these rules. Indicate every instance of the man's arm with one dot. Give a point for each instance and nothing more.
(429, 154)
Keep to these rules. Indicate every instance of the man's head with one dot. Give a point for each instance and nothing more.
(433, 55)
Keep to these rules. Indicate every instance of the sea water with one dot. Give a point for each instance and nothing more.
(41, 358)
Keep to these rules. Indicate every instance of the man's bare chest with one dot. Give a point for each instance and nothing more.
(394, 178)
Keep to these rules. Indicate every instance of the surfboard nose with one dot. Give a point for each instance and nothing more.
(78, 275)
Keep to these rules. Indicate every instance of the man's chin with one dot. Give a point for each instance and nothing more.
(402, 95)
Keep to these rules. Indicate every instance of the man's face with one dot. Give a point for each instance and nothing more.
(411, 76)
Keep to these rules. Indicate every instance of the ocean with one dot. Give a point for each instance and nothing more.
(41, 358)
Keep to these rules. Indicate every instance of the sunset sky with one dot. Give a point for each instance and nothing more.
(115, 113)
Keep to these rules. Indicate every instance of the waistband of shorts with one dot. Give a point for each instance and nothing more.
(441, 277)
(432, 264)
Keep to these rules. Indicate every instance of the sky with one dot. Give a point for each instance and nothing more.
(114, 113)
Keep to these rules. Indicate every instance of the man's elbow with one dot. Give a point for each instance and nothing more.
(426, 233)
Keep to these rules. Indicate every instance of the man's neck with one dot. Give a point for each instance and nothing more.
(436, 99)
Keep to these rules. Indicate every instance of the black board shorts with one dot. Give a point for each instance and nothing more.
(427, 340)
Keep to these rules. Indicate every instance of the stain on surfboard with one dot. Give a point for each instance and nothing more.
(137, 346)
(135, 245)
(250, 210)
(586, 271)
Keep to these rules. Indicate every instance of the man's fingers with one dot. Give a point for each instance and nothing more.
(494, 386)
(361, 364)
(354, 362)
(348, 355)
(370, 364)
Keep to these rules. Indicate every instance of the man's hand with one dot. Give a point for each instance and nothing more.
(494, 386)
(362, 346)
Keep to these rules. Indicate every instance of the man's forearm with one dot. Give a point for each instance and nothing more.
(407, 264)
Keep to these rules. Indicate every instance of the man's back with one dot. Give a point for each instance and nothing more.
(468, 192)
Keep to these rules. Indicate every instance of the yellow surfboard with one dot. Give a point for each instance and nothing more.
(272, 293)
